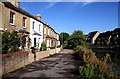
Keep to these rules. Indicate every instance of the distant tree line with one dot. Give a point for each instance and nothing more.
(72, 41)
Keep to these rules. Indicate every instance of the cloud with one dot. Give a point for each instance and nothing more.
(88, 2)
(51, 4)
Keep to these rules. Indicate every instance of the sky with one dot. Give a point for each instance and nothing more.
(70, 16)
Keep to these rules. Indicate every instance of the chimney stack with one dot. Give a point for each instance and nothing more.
(38, 16)
(15, 3)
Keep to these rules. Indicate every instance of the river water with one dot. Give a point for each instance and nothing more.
(115, 58)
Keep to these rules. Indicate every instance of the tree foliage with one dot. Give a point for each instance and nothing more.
(43, 46)
(76, 39)
(11, 42)
(64, 38)
(72, 41)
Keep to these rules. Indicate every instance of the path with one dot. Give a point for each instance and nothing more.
(62, 65)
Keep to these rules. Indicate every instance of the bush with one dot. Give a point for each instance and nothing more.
(52, 47)
(11, 42)
(92, 71)
(43, 46)
(58, 46)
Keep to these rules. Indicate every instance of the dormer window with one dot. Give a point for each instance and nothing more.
(12, 18)
(24, 22)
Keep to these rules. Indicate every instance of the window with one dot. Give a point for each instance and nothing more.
(33, 24)
(44, 30)
(39, 27)
(48, 31)
(12, 17)
(24, 22)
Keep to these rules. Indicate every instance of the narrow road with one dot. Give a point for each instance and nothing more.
(62, 65)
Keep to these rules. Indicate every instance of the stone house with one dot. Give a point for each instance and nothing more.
(115, 37)
(13, 18)
(51, 38)
(92, 36)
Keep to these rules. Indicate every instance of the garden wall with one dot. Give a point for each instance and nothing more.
(14, 61)
(20, 59)
(43, 54)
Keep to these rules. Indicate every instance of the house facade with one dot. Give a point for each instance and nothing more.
(13, 18)
(51, 38)
(92, 36)
(36, 32)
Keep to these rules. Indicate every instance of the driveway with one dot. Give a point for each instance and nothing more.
(62, 65)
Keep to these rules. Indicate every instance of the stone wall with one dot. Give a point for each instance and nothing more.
(21, 59)
(14, 61)
(42, 54)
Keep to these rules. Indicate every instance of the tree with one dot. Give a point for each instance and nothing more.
(76, 39)
(63, 38)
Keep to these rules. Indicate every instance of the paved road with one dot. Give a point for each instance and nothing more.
(62, 65)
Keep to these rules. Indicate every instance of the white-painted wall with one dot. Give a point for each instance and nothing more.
(58, 43)
(36, 29)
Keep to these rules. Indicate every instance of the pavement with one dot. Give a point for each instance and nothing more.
(62, 65)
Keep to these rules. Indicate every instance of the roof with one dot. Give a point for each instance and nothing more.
(91, 34)
(50, 37)
(21, 30)
(18, 9)
(51, 28)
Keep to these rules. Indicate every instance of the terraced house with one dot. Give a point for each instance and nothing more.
(51, 38)
(13, 18)
(36, 31)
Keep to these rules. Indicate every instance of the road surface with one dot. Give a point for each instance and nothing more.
(62, 65)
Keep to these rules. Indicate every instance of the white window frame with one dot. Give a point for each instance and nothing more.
(48, 31)
(44, 30)
(12, 18)
(24, 26)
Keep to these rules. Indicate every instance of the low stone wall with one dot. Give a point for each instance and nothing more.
(20, 59)
(39, 55)
(14, 61)
(42, 54)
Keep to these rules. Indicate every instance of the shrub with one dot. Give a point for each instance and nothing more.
(92, 71)
(43, 46)
(11, 42)
(58, 46)
(52, 47)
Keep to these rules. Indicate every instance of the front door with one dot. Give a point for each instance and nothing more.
(34, 42)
